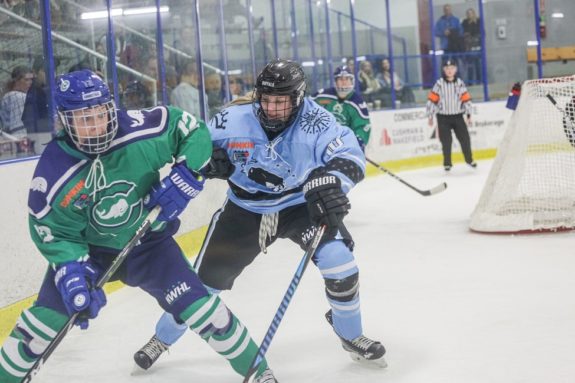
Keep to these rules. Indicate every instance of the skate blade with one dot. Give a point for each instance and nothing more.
(137, 370)
(377, 363)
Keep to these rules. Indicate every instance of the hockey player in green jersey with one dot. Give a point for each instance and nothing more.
(92, 187)
(346, 104)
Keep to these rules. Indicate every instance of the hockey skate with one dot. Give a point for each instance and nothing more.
(149, 353)
(362, 349)
(266, 377)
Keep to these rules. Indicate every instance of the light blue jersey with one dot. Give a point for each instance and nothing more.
(269, 175)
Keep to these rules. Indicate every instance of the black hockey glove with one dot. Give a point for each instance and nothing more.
(219, 166)
(326, 202)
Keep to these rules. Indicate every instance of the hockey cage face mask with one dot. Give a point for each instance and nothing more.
(91, 129)
(344, 81)
(344, 85)
(276, 111)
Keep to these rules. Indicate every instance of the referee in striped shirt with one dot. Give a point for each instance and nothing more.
(450, 100)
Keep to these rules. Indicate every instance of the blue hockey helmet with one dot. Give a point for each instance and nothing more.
(344, 72)
(86, 110)
(279, 78)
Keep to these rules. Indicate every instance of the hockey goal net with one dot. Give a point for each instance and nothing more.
(531, 186)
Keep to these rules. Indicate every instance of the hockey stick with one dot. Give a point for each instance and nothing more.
(284, 303)
(143, 229)
(554, 102)
(438, 189)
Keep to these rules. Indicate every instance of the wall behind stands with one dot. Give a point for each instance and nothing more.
(397, 136)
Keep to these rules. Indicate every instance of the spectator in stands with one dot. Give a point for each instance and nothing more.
(171, 80)
(213, 85)
(370, 87)
(185, 42)
(450, 33)
(403, 93)
(186, 95)
(136, 96)
(236, 87)
(13, 101)
(35, 116)
(350, 63)
(472, 43)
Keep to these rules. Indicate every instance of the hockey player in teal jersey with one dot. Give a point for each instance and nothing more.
(92, 187)
(289, 165)
(346, 104)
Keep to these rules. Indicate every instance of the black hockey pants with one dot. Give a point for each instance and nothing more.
(454, 122)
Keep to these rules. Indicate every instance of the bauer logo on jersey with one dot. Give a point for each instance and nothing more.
(117, 205)
(176, 292)
(315, 121)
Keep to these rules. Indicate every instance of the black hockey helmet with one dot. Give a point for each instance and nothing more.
(280, 78)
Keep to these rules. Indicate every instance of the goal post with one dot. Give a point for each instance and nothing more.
(531, 186)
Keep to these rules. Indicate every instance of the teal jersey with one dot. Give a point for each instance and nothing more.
(77, 200)
(350, 111)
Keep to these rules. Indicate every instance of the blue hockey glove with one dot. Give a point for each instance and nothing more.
(327, 204)
(76, 283)
(174, 192)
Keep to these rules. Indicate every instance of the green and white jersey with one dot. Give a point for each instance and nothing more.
(77, 200)
(351, 111)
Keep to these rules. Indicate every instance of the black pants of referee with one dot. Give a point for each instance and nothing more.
(446, 123)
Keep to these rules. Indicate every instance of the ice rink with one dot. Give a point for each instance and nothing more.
(448, 304)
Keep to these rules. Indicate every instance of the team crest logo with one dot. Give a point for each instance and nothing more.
(220, 119)
(64, 85)
(267, 179)
(118, 205)
(137, 118)
(240, 156)
(315, 121)
(39, 184)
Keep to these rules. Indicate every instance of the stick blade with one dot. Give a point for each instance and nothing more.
(436, 190)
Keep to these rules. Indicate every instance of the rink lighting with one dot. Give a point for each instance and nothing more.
(100, 14)
(235, 72)
(122, 12)
(557, 15)
(308, 63)
(532, 43)
(145, 10)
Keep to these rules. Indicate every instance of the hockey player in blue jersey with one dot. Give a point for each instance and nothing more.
(271, 150)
